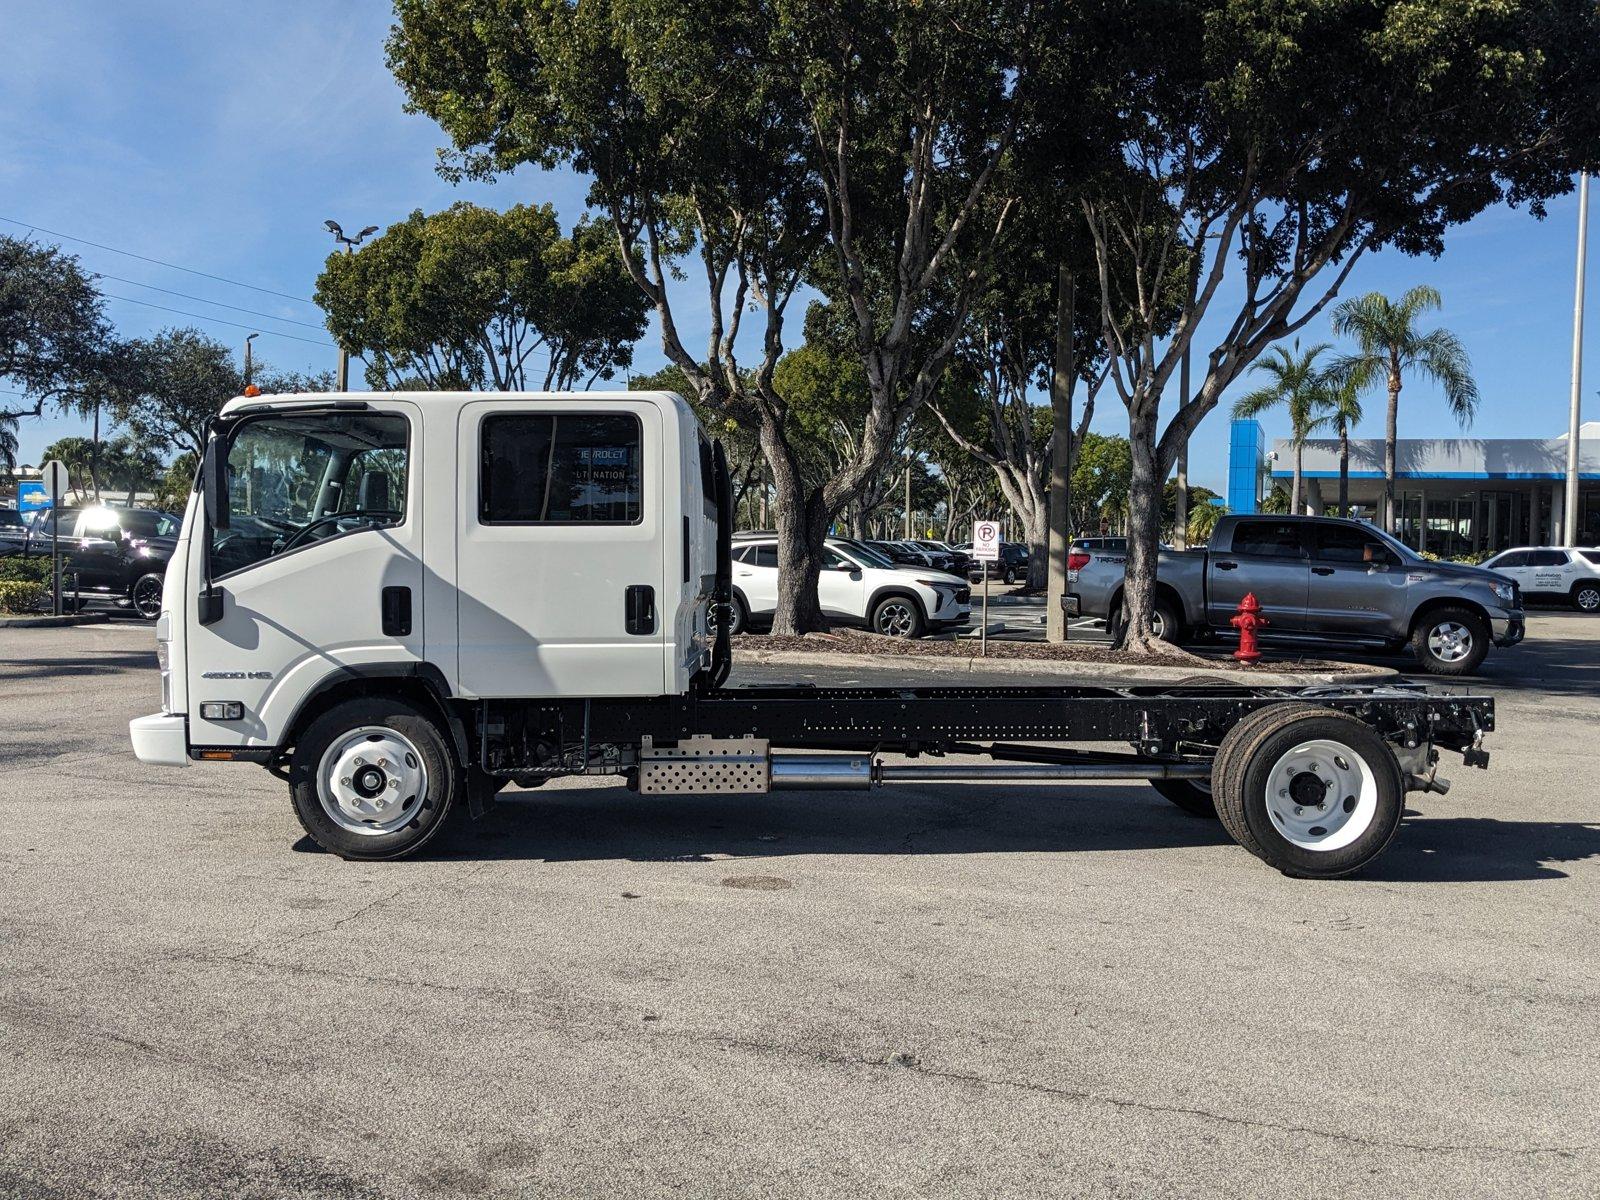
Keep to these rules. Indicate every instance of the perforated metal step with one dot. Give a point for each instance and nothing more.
(706, 764)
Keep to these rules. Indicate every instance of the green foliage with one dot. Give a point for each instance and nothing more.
(18, 596)
(1276, 502)
(53, 333)
(16, 569)
(1101, 479)
(1203, 520)
(172, 491)
(173, 385)
(470, 297)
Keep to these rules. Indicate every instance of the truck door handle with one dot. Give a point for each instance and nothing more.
(1227, 566)
(1322, 570)
(640, 609)
(396, 608)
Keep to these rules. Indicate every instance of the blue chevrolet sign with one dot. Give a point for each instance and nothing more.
(31, 497)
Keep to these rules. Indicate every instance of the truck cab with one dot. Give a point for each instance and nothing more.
(491, 545)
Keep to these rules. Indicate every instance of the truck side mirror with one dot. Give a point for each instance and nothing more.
(214, 483)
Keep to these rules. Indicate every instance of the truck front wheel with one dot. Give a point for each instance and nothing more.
(1450, 641)
(373, 779)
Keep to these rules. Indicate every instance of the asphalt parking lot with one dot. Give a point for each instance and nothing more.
(922, 992)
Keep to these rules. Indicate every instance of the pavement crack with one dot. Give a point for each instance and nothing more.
(248, 953)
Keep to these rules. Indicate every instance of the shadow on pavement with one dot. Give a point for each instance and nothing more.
(99, 662)
(611, 823)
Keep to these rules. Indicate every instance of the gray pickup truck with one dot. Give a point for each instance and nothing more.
(1320, 580)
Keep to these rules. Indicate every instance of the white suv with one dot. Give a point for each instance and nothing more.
(1553, 572)
(858, 586)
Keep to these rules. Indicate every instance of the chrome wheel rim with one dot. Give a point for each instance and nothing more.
(1450, 641)
(1589, 599)
(147, 597)
(895, 619)
(372, 781)
(1322, 795)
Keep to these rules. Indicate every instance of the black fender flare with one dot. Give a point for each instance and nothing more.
(884, 591)
(416, 677)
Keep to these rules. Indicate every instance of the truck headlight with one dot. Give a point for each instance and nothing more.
(1505, 593)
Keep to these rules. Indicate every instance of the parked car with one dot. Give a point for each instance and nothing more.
(1553, 573)
(898, 553)
(945, 557)
(1012, 565)
(115, 555)
(13, 531)
(1320, 580)
(857, 587)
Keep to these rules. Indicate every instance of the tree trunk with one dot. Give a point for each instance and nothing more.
(1391, 433)
(1144, 527)
(1344, 469)
(1036, 532)
(1299, 475)
(802, 526)
(94, 454)
(1059, 538)
(1180, 531)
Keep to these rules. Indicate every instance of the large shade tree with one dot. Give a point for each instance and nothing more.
(1274, 144)
(757, 144)
(471, 297)
(1390, 344)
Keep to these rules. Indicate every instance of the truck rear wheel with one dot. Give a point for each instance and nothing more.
(373, 779)
(1308, 790)
(1450, 641)
(1164, 622)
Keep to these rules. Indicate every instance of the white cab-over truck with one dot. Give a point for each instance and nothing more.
(401, 603)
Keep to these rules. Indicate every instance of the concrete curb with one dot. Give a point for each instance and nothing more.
(1123, 672)
(54, 622)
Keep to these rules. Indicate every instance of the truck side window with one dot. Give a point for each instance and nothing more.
(1342, 544)
(1270, 539)
(560, 469)
(299, 478)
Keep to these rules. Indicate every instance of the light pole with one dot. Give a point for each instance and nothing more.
(349, 244)
(1570, 531)
(248, 362)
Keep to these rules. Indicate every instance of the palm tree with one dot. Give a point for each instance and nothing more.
(1296, 383)
(1390, 346)
(8, 444)
(1341, 399)
(1203, 522)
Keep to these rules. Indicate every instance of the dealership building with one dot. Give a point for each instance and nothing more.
(1454, 495)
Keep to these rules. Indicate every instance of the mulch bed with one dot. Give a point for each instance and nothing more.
(854, 642)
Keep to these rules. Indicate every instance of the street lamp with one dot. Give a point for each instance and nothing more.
(247, 360)
(349, 244)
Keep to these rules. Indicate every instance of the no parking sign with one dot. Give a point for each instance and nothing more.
(986, 541)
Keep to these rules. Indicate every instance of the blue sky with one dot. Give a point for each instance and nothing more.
(219, 137)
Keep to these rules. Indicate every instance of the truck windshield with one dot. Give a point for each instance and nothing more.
(305, 477)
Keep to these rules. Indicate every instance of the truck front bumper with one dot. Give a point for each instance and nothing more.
(1507, 631)
(161, 739)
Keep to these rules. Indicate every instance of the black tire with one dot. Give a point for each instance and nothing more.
(1586, 597)
(740, 622)
(415, 820)
(145, 595)
(1010, 575)
(1255, 806)
(1191, 795)
(1450, 641)
(898, 616)
(1168, 626)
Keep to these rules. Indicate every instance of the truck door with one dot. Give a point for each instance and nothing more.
(1266, 557)
(559, 563)
(320, 566)
(1357, 584)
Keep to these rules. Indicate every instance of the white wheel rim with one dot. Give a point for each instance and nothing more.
(1450, 641)
(1322, 795)
(896, 619)
(371, 781)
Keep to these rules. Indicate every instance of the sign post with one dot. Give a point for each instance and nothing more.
(986, 549)
(54, 477)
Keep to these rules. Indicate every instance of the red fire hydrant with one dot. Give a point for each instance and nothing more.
(1247, 620)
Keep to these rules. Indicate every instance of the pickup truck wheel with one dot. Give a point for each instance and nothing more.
(1191, 795)
(146, 595)
(897, 616)
(1450, 641)
(1312, 792)
(1164, 623)
(1586, 597)
(373, 779)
